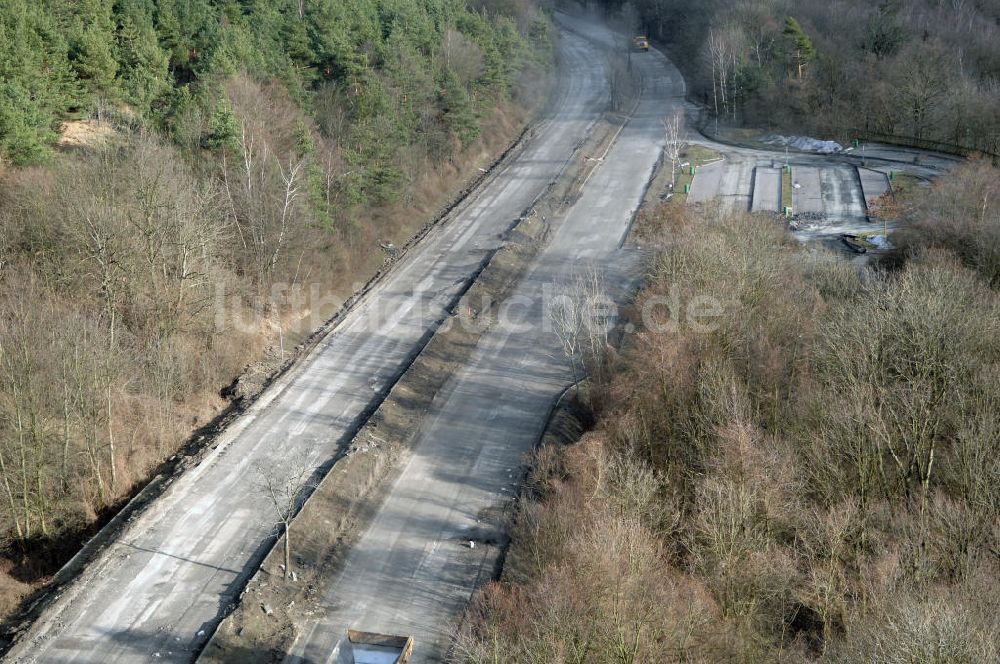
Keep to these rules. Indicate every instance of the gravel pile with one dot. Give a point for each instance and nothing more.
(804, 143)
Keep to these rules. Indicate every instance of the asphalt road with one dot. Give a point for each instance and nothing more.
(412, 571)
(156, 593)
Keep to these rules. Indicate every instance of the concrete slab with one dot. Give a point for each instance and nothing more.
(843, 207)
(807, 197)
(739, 195)
(842, 196)
(376, 655)
(766, 190)
(736, 183)
(706, 183)
(874, 184)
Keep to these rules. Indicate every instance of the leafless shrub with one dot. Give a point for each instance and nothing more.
(674, 143)
(934, 630)
(907, 372)
(602, 597)
(580, 315)
(819, 466)
(462, 56)
(962, 213)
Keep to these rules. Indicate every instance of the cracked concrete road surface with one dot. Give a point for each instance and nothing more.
(412, 571)
(156, 593)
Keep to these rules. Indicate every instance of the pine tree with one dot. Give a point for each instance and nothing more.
(91, 47)
(142, 72)
(456, 108)
(36, 82)
(168, 29)
(382, 62)
(803, 51)
(224, 129)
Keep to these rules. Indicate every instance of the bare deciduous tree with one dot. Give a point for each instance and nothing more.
(262, 197)
(285, 489)
(580, 315)
(674, 143)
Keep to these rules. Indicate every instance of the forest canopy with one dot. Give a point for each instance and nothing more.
(393, 63)
(923, 70)
(228, 172)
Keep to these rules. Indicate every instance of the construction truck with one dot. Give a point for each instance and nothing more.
(640, 43)
(372, 648)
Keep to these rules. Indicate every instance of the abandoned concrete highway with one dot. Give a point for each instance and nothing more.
(411, 572)
(157, 593)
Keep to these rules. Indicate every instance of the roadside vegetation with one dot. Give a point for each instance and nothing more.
(674, 176)
(811, 478)
(695, 156)
(960, 215)
(921, 70)
(181, 183)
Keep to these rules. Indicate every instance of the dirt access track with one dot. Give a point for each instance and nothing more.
(159, 590)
